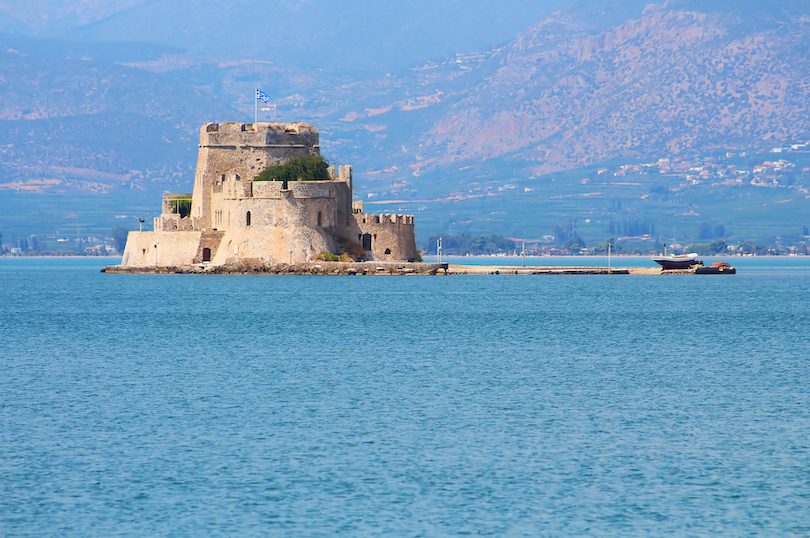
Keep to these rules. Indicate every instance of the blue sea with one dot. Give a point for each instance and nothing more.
(201, 405)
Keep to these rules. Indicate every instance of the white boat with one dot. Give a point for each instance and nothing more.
(671, 261)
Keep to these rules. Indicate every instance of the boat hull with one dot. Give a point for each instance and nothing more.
(684, 261)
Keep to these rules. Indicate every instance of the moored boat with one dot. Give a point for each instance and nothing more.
(680, 261)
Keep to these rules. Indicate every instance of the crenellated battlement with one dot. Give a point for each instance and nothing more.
(384, 219)
(266, 136)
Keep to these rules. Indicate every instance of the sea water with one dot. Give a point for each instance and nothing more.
(194, 405)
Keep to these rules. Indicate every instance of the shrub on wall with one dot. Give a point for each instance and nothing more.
(351, 248)
(182, 206)
(328, 257)
(298, 168)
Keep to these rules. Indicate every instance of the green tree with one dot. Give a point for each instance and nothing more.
(602, 248)
(466, 244)
(182, 206)
(305, 168)
(747, 247)
(717, 246)
(574, 244)
(119, 234)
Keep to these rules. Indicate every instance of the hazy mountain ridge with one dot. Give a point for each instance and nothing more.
(667, 81)
(72, 119)
(582, 86)
(565, 93)
(47, 16)
(362, 36)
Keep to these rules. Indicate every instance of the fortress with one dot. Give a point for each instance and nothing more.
(232, 218)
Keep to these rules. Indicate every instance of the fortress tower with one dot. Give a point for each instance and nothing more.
(243, 150)
(231, 215)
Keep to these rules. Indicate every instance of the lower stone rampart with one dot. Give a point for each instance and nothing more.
(243, 266)
(156, 249)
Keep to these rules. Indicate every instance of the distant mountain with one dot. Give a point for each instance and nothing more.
(424, 98)
(671, 80)
(352, 36)
(45, 18)
(72, 122)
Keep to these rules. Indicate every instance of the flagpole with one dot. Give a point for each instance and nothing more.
(256, 106)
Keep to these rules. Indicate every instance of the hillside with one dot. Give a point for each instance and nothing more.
(94, 125)
(445, 121)
(669, 80)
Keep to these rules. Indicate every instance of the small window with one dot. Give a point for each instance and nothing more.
(247, 219)
(388, 251)
(320, 218)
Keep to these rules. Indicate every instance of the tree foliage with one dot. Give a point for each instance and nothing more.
(460, 245)
(748, 247)
(119, 234)
(574, 243)
(182, 206)
(602, 248)
(304, 168)
(718, 246)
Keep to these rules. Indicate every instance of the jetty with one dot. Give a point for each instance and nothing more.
(580, 270)
(256, 267)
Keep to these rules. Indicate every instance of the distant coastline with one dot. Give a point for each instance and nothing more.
(461, 256)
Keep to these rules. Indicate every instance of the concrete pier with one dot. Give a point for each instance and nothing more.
(254, 266)
(582, 270)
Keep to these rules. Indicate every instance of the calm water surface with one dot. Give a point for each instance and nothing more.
(404, 406)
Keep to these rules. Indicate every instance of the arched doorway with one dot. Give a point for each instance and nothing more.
(367, 242)
(206, 254)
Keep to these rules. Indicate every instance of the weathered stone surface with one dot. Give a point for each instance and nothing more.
(241, 266)
(234, 217)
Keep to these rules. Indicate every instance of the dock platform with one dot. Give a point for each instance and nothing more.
(251, 266)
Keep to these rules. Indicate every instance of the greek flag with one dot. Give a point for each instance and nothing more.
(263, 96)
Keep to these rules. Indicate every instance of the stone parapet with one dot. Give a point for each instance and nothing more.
(170, 222)
(269, 136)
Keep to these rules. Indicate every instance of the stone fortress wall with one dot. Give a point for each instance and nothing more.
(229, 216)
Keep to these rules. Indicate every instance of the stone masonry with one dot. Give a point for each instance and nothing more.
(231, 218)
